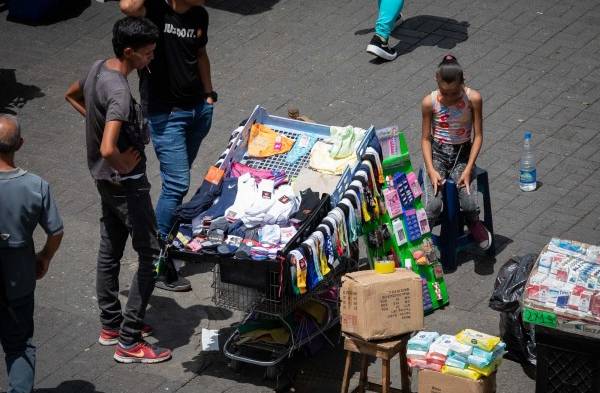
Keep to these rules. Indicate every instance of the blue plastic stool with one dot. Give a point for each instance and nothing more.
(452, 236)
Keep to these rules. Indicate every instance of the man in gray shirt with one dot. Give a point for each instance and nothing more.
(115, 139)
(25, 202)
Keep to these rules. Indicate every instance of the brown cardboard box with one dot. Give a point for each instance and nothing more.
(434, 382)
(377, 306)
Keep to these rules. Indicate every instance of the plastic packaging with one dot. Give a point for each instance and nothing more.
(477, 339)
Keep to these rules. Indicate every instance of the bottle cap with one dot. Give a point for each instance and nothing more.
(527, 135)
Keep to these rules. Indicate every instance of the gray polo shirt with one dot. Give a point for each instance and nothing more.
(25, 202)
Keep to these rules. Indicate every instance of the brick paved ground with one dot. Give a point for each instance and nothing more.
(535, 62)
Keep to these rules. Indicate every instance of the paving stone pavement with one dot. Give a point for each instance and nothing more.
(536, 64)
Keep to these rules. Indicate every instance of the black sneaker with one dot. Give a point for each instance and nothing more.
(380, 48)
(180, 284)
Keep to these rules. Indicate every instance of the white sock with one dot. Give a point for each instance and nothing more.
(246, 194)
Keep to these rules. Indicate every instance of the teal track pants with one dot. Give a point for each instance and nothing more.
(389, 10)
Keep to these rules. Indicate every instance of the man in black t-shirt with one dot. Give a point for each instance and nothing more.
(178, 98)
(176, 91)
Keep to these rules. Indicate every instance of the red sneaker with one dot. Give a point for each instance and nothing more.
(142, 352)
(482, 236)
(111, 336)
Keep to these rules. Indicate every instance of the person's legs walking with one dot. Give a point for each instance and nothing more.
(16, 332)
(389, 11)
(169, 134)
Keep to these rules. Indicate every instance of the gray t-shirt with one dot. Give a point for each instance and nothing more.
(107, 98)
(25, 202)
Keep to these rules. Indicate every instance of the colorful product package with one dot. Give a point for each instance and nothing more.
(442, 344)
(413, 183)
(392, 202)
(422, 341)
(423, 222)
(477, 339)
(487, 370)
(465, 373)
(460, 348)
(455, 360)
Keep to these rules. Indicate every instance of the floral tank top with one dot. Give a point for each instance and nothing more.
(451, 124)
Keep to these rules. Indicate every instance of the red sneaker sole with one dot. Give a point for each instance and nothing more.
(126, 359)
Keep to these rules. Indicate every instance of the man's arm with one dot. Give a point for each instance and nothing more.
(133, 7)
(122, 162)
(204, 71)
(74, 96)
(44, 257)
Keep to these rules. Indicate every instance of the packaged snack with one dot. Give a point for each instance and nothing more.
(477, 339)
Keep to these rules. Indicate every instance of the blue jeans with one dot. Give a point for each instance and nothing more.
(176, 137)
(389, 10)
(16, 331)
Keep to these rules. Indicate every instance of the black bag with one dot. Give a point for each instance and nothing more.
(508, 290)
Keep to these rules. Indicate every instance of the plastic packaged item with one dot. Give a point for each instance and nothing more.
(465, 373)
(442, 344)
(477, 339)
(422, 340)
(392, 202)
(401, 185)
(388, 139)
(413, 183)
(460, 348)
(412, 225)
(415, 354)
(399, 231)
(457, 361)
(486, 370)
(423, 222)
(385, 266)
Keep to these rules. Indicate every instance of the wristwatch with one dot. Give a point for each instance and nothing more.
(213, 95)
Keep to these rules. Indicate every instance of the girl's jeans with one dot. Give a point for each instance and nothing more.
(450, 162)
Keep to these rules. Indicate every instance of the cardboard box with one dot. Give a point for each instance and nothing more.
(434, 382)
(377, 306)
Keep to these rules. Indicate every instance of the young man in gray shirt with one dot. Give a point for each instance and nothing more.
(116, 137)
(25, 202)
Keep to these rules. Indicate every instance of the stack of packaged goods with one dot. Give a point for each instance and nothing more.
(469, 354)
(566, 281)
(474, 354)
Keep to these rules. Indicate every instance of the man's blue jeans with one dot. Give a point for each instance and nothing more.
(389, 10)
(176, 137)
(16, 331)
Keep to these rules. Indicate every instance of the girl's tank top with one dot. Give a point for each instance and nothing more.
(451, 124)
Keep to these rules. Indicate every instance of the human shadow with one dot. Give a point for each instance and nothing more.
(242, 7)
(74, 386)
(14, 95)
(425, 30)
(174, 325)
(303, 371)
(483, 263)
(47, 13)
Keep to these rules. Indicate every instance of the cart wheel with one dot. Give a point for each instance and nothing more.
(272, 372)
(235, 365)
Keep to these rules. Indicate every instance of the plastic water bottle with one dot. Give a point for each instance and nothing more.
(528, 175)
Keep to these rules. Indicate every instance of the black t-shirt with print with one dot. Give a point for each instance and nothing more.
(173, 79)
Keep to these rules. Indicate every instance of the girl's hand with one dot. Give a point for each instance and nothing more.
(465, 180)
(436, 180)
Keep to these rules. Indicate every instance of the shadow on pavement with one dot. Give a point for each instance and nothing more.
(174, 325)
(483, 263)
(242, 7)
(75, 386)
(425, 30)
(65, 9)
(14, 95)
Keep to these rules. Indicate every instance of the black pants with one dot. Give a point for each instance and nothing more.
(126, 210)
(16, 331)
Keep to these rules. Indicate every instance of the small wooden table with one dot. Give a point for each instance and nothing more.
(384, 350)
